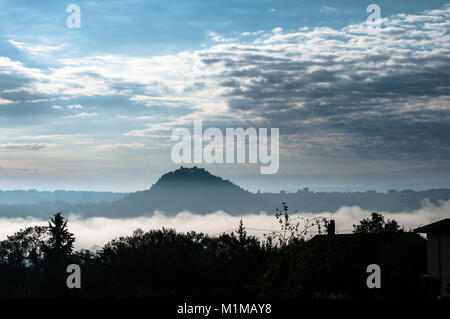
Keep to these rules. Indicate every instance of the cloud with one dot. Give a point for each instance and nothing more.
(36, 49)
(353, 92)
(350, 92)
(49, 136)
(5, 101)
(327, 9)
(22, 146)
(82, 114)
(218, 38)
(100, 230)
(74, 107)
(109, 147)
(166, 101)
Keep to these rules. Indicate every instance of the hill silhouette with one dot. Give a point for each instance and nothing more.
(193, 189)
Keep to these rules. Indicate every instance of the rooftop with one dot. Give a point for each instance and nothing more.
(440, 227)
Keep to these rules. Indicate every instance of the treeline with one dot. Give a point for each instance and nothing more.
(164, 263)
(393, 201)
(32, 197)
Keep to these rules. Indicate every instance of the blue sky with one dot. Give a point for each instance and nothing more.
(160, 27)
(93, 108)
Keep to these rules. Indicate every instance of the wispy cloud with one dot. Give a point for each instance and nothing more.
(22, 146)
(36, 49)
(111, 147)
(74, 107)
(5, 101)
(328, 9)
(82, 114)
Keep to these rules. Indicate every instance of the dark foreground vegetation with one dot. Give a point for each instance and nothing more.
(164, 263)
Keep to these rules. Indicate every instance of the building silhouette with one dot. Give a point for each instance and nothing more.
(437, 280)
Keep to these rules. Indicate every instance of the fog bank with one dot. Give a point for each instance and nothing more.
(99, 230)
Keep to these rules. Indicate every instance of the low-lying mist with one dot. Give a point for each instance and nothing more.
(94, 231)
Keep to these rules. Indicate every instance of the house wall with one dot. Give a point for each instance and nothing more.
(433, 260)
(432, 255)
(445, 263)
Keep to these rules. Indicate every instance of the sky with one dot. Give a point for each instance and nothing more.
(93, 108)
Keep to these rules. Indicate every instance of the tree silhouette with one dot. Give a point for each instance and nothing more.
(60, 244)
(377, 225)
(24, 248)
(242, 234)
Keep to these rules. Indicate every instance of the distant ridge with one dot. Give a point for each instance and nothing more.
(32, 196)
(198, 191)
